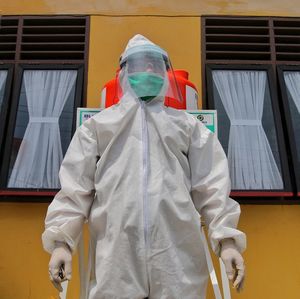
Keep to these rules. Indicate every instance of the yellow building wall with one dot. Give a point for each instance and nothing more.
(272, 258)
(151, 7)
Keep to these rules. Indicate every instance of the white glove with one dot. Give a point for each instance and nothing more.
(234, 263)
(60, 265)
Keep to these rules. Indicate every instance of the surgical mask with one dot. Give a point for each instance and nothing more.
(146, 85)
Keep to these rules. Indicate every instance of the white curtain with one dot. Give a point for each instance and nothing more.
(251, 161)
(292, 81)
(40, 154)
(3, 75)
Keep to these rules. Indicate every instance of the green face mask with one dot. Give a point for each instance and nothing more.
(146, 85)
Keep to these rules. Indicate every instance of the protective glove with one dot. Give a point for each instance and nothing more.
(234, 263)
(60, 265)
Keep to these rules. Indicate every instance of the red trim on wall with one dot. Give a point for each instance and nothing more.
(261, 194)
(298, 194)
(27, 193)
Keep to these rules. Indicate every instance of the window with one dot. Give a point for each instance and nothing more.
(247, 127)
(43, 127)
(289, 77)
(49, 61)
(240, 56)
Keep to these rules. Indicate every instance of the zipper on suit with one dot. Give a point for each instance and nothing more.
(145, 173)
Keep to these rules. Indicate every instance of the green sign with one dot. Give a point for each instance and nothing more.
(207, 117)
(84, 114)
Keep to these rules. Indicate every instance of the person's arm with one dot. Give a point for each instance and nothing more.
(70, 207)
(210, 192)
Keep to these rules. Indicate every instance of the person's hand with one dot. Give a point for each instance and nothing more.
(234, 263)
(60, 265)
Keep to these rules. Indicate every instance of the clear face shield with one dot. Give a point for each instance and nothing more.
(148, 76)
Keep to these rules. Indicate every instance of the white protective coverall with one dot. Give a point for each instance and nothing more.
(143, 174)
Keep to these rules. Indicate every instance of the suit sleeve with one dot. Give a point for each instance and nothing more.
(70, 207)
(210, 188)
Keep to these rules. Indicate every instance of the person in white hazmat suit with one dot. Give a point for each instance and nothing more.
(143, 174)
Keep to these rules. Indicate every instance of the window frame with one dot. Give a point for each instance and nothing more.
(5, 107)
(209, 104)
(78, 101)
(288, 121)
(22, 23)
